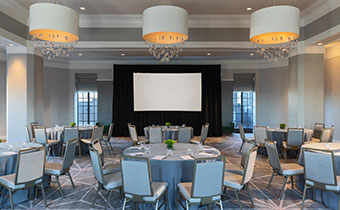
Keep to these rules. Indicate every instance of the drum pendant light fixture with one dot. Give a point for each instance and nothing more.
(54, 28)
(165, 30)
(274, 31)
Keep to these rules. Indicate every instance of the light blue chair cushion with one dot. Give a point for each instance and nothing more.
(112, 168)
(235, 169)
(185, 189)
(55, 169)
(8, 181)
(158, 189)
(291, 169)
(328, 187)
(233, 180)
(112, 181)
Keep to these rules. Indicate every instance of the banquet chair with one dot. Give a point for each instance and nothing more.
(137, 183)
(332, 133)
(59, 169)
(107, 182)
(320, 172)
(97, 133)
(326, 135)
(107, 138)
(286, 169)
(107, 168)
(41, 138)
(28, 134)
(184, 135)
(155, 135)
(33, 125)
(318, 129)
(71, 133)
(243, 136)
(133, 135)
(238, 182)
(204, 134)
(238, 169)
(260, 135)
(295, 139)
(207, 185)
(29, 172)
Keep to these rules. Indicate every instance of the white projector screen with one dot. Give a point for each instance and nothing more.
(167, 92)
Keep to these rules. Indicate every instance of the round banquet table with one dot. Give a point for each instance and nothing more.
(56, 133)
(8, 164)
(168, 132)
(328, 198)
(280, 135)
(172, 170)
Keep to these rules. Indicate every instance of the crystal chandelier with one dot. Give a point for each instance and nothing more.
(54, 29)
(165, 30)
(274, 31)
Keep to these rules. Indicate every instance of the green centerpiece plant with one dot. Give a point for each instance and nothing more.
(170, 144)
(283, 126)
(73, 124)
(167, 124)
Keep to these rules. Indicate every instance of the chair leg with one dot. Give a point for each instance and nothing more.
(292, 180)
(11, 199)
(124, 204)
(303, 197)
(62, 150)
(285, 153)
(284, 187)
(270, 181)
(69, 175)
(167, 200)
(314, 194)
(250, 196)
(187, 205)
(79, 148)
(95, 197)
(339, 202)
(108, 200)
(241, 147)
(221, 206)
(238, 199)
(61, 189)
(43, 194)
(48, 152)
(157, 203)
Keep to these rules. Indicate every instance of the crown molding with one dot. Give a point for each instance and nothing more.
(317, 10)
(15, 10)
(332, 51)
(302, 48)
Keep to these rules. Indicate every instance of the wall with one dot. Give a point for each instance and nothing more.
(56, 96)
(105, 95)
(2, 99)
(227, 102)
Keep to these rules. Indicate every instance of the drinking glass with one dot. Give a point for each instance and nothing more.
(10, 148)
(200, 147)
(147, 150)
(169, 153)
(190, 152)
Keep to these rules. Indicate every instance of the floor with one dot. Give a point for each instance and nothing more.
(82, 174)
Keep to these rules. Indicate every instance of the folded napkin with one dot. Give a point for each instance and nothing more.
(136, 154)
(136, 148)
(159, 157)
(186, 157)
(205, 154)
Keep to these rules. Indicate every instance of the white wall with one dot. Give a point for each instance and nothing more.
(2, 99)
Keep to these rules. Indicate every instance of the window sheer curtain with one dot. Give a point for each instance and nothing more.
(123, 111)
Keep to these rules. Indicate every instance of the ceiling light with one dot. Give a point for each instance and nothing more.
(208, 54)
(165, 29)
(11, 45)
(249, 8)
(82, 8)
(54, 28)
(122, 54)
(80, 54)
(320, 43)
(252, 54)
(274, 31)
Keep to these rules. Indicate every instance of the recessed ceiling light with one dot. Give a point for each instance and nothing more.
(122, 54)
(249, 8)
(80, 54)
(320, 43)
(208, 54)
(82, 8)
(251, 54)
(11, 45)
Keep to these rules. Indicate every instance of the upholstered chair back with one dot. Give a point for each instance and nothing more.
(155, 135)
(98, 132)
(242, 134)
(249, 165)
(33, 125)
(260, 134)
(96, 165)
(136, 176)
(273, 155)
(248, 145)
(184, 135)
(208, 177)
(40, 135)
(30, 165)
(109, 134)
(133, 132)
(69, 153)
(28, 134)
(295, 137)
(319, 167)
(326, 135)
(71, 133)
(204, 132)
(318, 129)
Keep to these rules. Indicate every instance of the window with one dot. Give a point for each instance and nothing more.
(243, 106)
(87, 107)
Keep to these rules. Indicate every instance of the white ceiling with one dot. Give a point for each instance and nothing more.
(198, 7)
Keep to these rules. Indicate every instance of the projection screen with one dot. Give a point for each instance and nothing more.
(167, 92)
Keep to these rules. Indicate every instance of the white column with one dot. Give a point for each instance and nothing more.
(24, 91)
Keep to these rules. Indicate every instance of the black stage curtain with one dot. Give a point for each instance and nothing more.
(123, 111)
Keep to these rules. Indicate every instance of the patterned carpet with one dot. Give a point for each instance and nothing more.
(82, 196)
